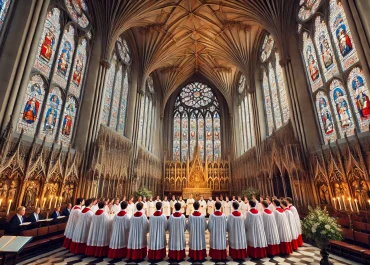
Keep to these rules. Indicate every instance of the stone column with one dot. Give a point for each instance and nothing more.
(259, 103)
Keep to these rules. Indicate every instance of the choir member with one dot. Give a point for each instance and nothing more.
(81, 232)
(94, 206)
(245, 207)
(157, 199)
(116, 206)
(210, 206)
(217, 226)
(226, 209)
(283, 226)
(236, 232)
(270, 204)
(131, 207)
(176, 229)
(189, 205)
(203, 206)
(139, 200)
(172, 204)
(297, 219)
(166, 207)
(137, 243)
(145, 206)
(197, 227)
(123, 199)
(35, 216)
(151, 206)
(183, 205)
(233, 200)
(67, 210)
(56, 212)
(271, 231)
(241, 204)
(292, 224)
(72, 222)
(99, 234)
(255, 232)
(119, 238)
(157, 234)
(15, 222)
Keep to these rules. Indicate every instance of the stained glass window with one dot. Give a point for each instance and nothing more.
(176, 136)
(307, 9)
(116, 99)
(282, 90)
(311, 63)
(325, 117)
(268, 108)
(243, 125)
(68, 122)
(241, 85)
(123, 108)
(251, 135)
(77, 9)
(275, 97)
(267, 46)
(78, 69)
(141, 124)
(108, 92)
(246, 123)
(123, 51)
(4, 8)
(198, 109)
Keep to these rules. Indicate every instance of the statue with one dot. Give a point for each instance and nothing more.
(30, 194)
(4, 190)
(12, 190)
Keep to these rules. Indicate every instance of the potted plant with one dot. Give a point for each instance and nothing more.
(321, 228)
(143, 192)
(251, 191)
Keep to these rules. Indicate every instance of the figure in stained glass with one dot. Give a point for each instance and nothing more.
(362, 99)
(312, 64)
(342, 108)
(31, 109)
(51, 114)
(68, 120)
(344, 41)
(64, 58)
(326, 52)
(326, 118)
(48, 44)
(77, 72)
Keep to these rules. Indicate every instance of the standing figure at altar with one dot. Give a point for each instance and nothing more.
(157, 199)
(183, 205)
(236, 232)
(292, 224)
(151, 206)
(137, 243)
(211, 206)
(271, 231)
(255, 232)
(297, 219)
(226, 209)
(131, 207)
(176, 230)
(245, 207)
(166, 207)
(81, 232)
(241, 204)
(189, 205)
(72, 222)
(172, 204)
(203, 206)
(197, 227)
(157, 234)
(283, 226)
(217, 227)
(99, 234)
(145, 206)
(139, 200)
(121, 229)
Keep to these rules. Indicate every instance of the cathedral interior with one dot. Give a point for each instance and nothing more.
(205, 97)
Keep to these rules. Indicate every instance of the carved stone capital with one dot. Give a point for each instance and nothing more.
(105, 63)
(284, 61)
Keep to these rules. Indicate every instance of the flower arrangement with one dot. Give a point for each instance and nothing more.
(250, 191)
(319, 226)
(143, 192)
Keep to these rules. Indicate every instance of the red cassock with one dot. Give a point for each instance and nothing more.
(118, 242)
(237, 236)
(197, 227)
(176, 241)
(71, 224)
(285, 234)
(217, 226)
(255, 232)
(81, 232)
(272, 234)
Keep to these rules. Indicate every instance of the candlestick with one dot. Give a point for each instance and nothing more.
(60, 200)
(340, 206)
(350, 204)
(10, 203)
(344, 203)
(37, 200)
(357, 206)
(335, 205)
(43, 203)
(56, 201)
(51, 199)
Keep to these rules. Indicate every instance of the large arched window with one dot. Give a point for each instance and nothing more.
(196, 118)
(116, 88)
(273, 84)
(339, 88)
(54, 90)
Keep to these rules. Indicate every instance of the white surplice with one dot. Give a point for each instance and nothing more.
(81, 231)
(166, 208)
(203, 207)
(94, 208)
(145, 208)
(100, 230)
(237, 236)
(71, 224)
(292, 223)
(294, 210)
(245, 208)
(255, 232)
(172, 206)
(138, 231)
(210, 207)
(130, 209)
(272, 207)
(226, 208)
(151, 208)
(217, 226)
(157, 231)
(120, 232)
(183, 206)
(271, 230)
(283, 226)
(176, 229)
(241, 205)
(197, 227)
(116, 208)
(189, 206)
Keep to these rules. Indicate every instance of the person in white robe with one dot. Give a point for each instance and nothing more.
(183, 205)
(94, 206)
(131, 207)
(166, 207)
(271, 231)
(99, 234)
(172, 204)
(245, 207)
(210, 206)
(157, 199)
(270, 204)
(226, 209)
(197, 227)
(189, 205)
(241, 204)
(151, 207)
(255, 232)
(283, 226)
(145, 206)
(176, 230)
(119, 239)
(297, 219)
(236, 233)
(217, 227)
(292, 224)
(203, 206)
(139, 200)
(72, 222)
(137, 242)
(81, 232)
(116, 206)
(157, 234)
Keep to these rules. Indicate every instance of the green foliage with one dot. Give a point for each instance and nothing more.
(250, 191)
(143, 192)
(318, 225)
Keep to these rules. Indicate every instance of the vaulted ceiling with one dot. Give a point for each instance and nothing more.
(180, 38)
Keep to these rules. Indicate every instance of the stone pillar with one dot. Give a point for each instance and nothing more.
(18, 55)
(259, 103)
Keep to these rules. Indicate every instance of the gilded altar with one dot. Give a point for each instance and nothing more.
(197, 177)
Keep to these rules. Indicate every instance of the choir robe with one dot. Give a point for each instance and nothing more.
(166, 208)
(285, 234)
(145, 208)
(176, 241)
(71, 225)
(272, 207)
(119, 239)
(130, 209)
(255, 232)
(197, 227)
(298, 221)
(94, 208)
(210, 207)
(81, 232)
(203, 207)
(172, 206)
(151, 208)
(189, 206)
(226, 208)
(157, 236)
(137, 243)
(116, 208)
(183, 206)
(259, 207)
(217, 227)
(293, 228)
(241, 205)
(244, 209)
(237, 236)
(99, 235)
(272, 234)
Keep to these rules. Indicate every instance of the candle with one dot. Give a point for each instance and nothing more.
(340, 205)
(10, 203)
(335, 205)
(368, 201)
(350, 204)
(51, 199)
(56, 201)
(1, 200)
(43, 204)
(60, 200)
(356, 206)
(37, 200)
(344, 203)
